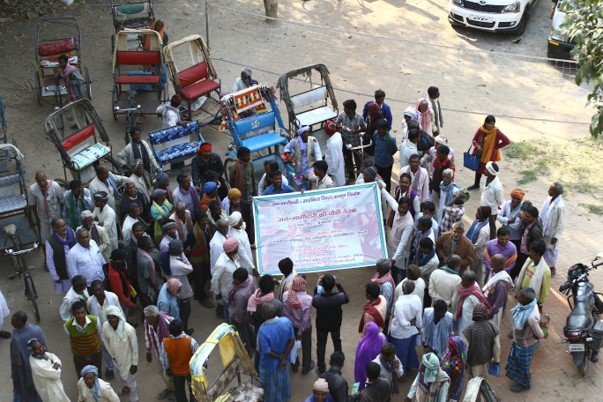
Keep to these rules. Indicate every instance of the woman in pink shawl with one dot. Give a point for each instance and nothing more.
(368, 348)
(72, 77)
(426, 116)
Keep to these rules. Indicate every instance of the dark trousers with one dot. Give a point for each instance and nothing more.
(306, 346)
(386, 175)
(352, 162)
(521, 259)
(478, 174)
(185, 311)
(201, 278)
(180, 385)
(82, 361)
(492, 224)
(247, 335)
(321, 346)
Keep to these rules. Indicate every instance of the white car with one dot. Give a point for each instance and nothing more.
(491, 15)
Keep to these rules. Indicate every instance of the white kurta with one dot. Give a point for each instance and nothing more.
(47, 379)
(107, 394)
(334, 158)
(245, 255)
(124, 350)
(107, 219)
(466, 317)
(216, 248)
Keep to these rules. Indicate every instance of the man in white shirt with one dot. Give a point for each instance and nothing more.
(408, 147)
(444, 282)
(237, 230)
(119, 338)
(132, 217)
(221, 280)
(181, 268)
(401, 234)
(419, 177)
(97, 233)
(138, 148)
(97, 306)
(105, 216)
(390, 366)
(77, 292)
(470, 295)
(170, 114)
(553, 222)
(321, 179)
(492, 196)
(334, 153)
(407, 320)
(85, 258)
(46, 199)
(107, 182)
(216, 244)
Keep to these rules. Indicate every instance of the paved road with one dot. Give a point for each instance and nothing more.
(469, 82)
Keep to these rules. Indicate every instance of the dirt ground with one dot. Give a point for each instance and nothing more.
(399, 46)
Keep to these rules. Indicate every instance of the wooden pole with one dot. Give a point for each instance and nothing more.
(271, 7)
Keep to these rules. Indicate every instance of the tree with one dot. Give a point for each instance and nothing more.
(584, 26)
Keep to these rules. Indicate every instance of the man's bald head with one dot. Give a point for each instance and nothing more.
(498, 262)
(268, 311)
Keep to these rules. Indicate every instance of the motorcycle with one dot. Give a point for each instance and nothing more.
(583, 332)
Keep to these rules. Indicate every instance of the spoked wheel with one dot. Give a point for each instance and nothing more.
(115, 99)
(88, 83)
(38, 88)
(32, 295)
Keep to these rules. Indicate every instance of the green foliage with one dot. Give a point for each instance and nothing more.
(584, 26)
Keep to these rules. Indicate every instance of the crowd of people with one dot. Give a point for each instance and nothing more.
(434, 305)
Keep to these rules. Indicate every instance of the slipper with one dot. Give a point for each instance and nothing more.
(124, 391)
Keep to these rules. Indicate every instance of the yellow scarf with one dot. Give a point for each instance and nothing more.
(488, 143)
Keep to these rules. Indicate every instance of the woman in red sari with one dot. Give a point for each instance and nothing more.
(487, 142)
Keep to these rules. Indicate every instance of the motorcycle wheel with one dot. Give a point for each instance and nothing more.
(582, 367)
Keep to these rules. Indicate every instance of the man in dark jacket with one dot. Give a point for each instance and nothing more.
(328, 316)
(204, 161)
(377, 389)
(338, 386)
(531, 230)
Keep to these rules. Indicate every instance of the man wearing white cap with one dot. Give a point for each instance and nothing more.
(334, 153)
(105, 216)
(305, 148)
(492, 196)
(237, 230)
(119, 338)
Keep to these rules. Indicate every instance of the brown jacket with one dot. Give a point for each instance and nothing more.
(464, 249)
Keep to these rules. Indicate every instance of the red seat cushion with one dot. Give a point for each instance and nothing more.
(199, 89)
(193, 74)
(77, 138)
(137, 79)
(136, 58)
(58, 47)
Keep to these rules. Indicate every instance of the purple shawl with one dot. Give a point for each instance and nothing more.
(368, 348)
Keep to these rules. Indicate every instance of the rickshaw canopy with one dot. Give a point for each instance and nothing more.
(198, 54)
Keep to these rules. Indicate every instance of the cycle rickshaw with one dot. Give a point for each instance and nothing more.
(136, 15)
(56, 37)
(77, 131)
(142, 71)
(18, 232)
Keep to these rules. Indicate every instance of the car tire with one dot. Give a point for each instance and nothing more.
(523, 23)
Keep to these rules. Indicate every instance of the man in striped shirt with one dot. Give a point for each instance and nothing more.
(84, 338)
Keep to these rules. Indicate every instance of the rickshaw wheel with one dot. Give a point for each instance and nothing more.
(38, 88)
(115, 98)
(88, 83)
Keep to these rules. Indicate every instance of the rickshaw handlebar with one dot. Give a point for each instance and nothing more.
(9, 251)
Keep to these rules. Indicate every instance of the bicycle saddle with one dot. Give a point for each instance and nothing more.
(10, 230)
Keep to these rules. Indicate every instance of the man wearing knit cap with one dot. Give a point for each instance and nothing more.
(180, 268)
(210, 194)
(334, 153)
(492, 196)
(119, 338)
(320, 392)
(162, 181)
(93, 389)
(227, 263)
(482, 338)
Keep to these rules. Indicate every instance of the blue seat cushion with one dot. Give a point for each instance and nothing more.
(12, 203)
(263, 141)
(254, 123)
(180, 151)
(173, 133)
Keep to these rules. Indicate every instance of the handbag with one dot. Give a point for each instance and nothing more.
(471, 161)
(494, 369)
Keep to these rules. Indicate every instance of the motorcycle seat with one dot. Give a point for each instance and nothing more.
(580, 318)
